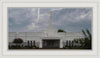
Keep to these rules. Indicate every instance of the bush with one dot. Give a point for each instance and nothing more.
(60, 30)
(18, 40)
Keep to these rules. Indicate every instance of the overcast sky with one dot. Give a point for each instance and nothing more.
(68, 19)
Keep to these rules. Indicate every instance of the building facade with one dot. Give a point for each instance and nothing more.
(43, 38)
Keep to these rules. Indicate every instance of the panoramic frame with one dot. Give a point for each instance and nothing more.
(50, 28)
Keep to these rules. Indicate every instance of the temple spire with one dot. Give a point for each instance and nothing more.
(50, 25)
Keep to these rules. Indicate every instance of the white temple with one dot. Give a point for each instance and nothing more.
(48, 38)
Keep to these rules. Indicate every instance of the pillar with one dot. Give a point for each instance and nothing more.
(40, 46)
(61, 43)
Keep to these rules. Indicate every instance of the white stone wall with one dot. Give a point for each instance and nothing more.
(40, 35)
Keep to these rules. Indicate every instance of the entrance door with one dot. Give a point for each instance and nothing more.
(51, 43)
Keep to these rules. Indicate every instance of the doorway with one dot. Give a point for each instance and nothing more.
(51, 43)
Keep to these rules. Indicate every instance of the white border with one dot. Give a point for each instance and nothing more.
(49, 52)
(45, 1)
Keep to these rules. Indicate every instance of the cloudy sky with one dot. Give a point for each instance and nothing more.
(37, 19)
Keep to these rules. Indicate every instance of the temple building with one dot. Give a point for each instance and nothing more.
(49, 38)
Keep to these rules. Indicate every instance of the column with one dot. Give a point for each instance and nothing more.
(61, 43)
(40, 46)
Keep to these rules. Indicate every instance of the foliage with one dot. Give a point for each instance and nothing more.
(60, 30)
(83, 43)
(18, 41)
(87, 40)
(76, 40)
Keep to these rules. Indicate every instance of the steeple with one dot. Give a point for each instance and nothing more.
(50, 25)
(50, 29)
